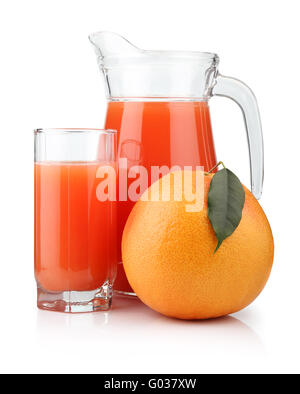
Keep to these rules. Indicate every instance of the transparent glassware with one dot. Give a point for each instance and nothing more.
(75, 230)
(158, 103)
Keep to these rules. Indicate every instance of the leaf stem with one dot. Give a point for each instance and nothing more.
(216, 166)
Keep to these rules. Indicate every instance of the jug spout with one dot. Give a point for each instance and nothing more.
(111, 45)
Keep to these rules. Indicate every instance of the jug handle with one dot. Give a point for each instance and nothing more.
(242, 95)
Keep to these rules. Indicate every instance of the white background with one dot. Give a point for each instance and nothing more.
(49, 78)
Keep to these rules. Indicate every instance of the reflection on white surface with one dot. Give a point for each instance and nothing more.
(131, 331)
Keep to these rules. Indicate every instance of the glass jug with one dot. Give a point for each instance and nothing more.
(158, 103)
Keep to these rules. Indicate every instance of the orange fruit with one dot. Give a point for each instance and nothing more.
(169, 260)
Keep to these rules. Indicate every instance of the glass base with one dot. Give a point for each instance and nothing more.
(76, 301)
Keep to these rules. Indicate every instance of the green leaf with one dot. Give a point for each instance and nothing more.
(226, 199)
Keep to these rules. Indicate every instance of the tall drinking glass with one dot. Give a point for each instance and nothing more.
(75, 222)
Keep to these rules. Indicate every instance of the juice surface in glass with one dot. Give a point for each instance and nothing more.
(170, 133)
(73, 241)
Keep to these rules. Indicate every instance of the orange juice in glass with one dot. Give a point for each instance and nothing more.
(75, 227)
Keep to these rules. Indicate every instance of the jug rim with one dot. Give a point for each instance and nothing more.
(139, 53)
